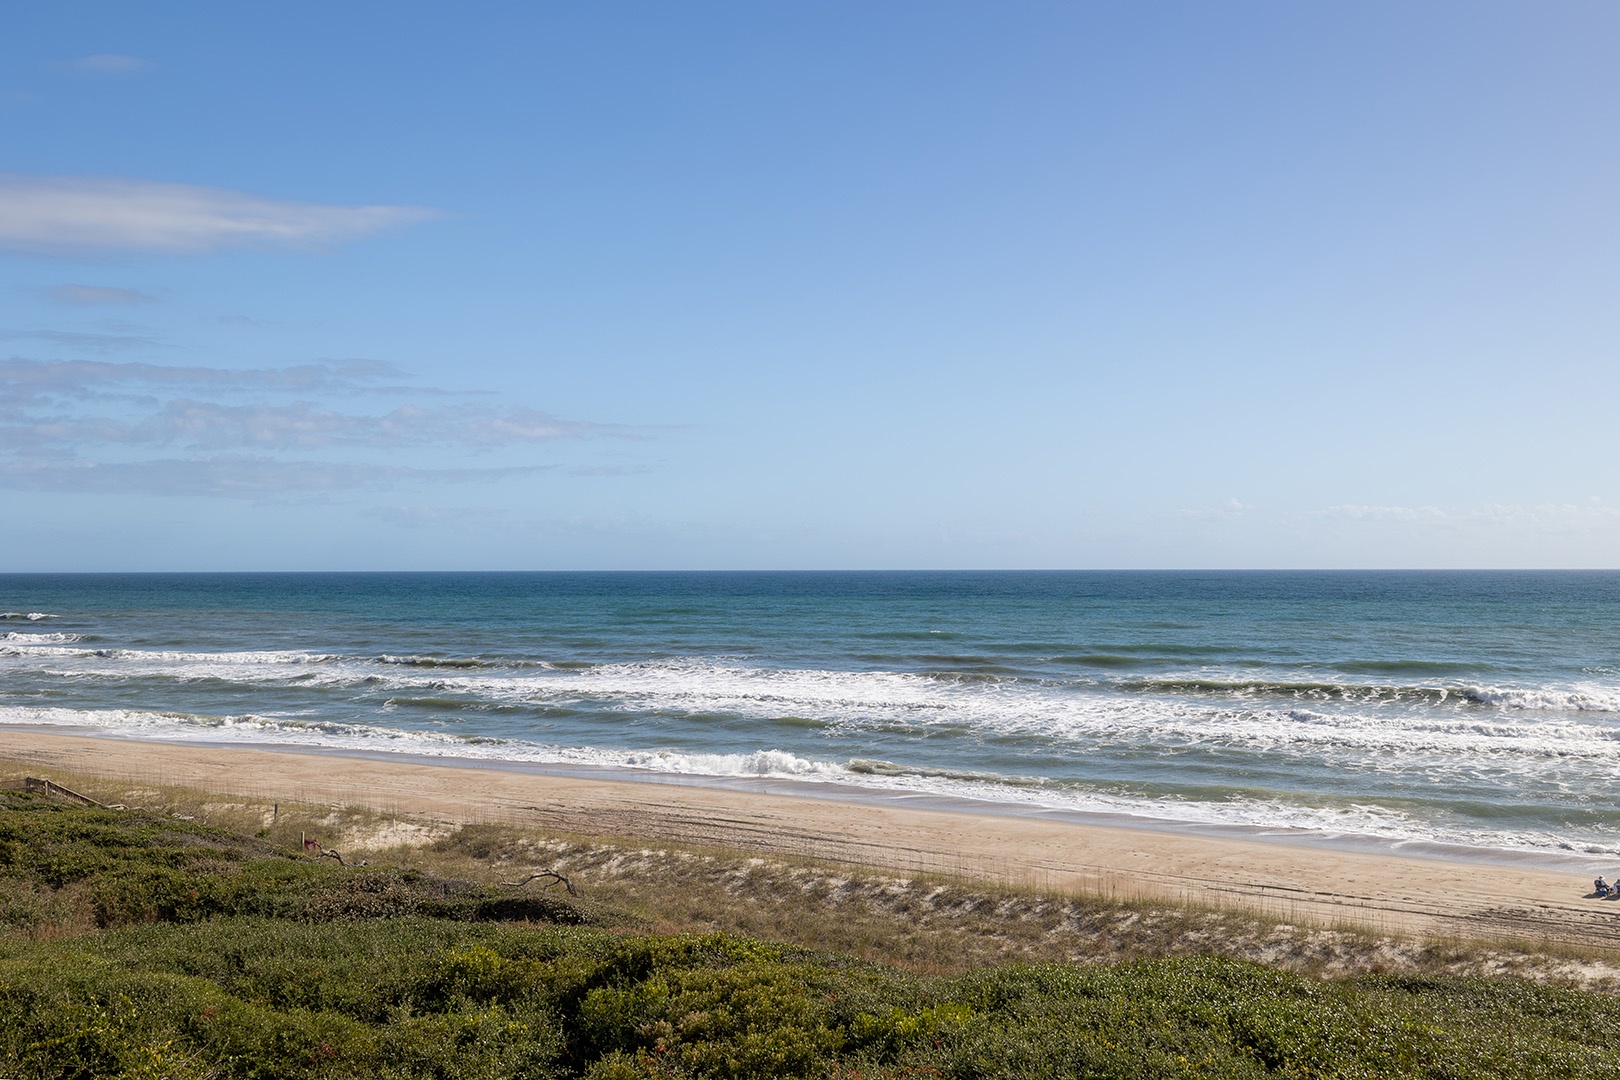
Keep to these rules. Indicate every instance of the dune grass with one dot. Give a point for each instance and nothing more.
(925, 922)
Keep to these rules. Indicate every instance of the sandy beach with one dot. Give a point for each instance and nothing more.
(1302, 884)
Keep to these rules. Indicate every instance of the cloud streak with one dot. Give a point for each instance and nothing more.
(1231, 508)
(300, 425)
(233, 476)
(25, 382)
(109, 64)
(67, 215)
(84, 341)
(43, 407)
(74, 425)
(1532, 515)
(96, 296)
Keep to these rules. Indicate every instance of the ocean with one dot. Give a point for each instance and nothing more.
(1422, 712)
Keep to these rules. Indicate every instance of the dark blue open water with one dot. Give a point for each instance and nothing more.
(1473, 708)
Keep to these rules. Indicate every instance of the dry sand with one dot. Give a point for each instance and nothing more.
(1306, 885)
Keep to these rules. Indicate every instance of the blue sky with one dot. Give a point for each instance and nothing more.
(840, 285)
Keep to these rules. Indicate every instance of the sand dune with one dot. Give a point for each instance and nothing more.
(1303, 884)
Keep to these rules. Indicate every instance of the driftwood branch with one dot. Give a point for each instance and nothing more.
(551, 874)
(333, 853)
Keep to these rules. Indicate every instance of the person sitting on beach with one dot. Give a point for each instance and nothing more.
(1601, 886)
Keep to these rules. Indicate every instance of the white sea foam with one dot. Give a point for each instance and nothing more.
(759, 763)
(1516, 723)
(719, 686)
(1352, 820)
(246, 666)
(30, 616)
(885, 699)
(1573, 699)
(245, 728)
(255, 665)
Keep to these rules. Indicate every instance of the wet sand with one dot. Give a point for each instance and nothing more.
(1302, 884)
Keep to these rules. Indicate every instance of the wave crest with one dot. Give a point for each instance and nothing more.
(1586, 699)
(436, 662)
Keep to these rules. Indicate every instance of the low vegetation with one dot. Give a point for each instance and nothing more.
(941, 925)
(135, 943)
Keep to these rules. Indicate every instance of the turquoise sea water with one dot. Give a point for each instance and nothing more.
(1415, 708)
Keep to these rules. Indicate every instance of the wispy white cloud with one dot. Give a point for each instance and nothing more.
(84, 340)
(43, 406)
(1231, 508)
(1361, 512)
(109, 64)
(79, 425)
(423, 516)
(231, 476)
(26, 382)
(302, 425)
(1535, 517)
(73, 425)
(96, 296)
(67, 215)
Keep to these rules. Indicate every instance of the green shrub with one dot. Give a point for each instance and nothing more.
(133, 867)
(224, 958)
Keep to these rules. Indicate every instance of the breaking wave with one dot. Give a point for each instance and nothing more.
(1593, 699)
(1261, 716)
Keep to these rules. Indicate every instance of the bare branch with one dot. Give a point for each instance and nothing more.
(552, 874)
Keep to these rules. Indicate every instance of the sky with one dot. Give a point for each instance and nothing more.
(794, 285)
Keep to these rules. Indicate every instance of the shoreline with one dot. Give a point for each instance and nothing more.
(1571, 861)
(1382, 893)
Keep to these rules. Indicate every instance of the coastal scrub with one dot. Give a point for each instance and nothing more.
(202, 953)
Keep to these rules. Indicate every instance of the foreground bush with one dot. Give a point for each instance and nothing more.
(116, 868)
(418, 997)
(223, 957)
